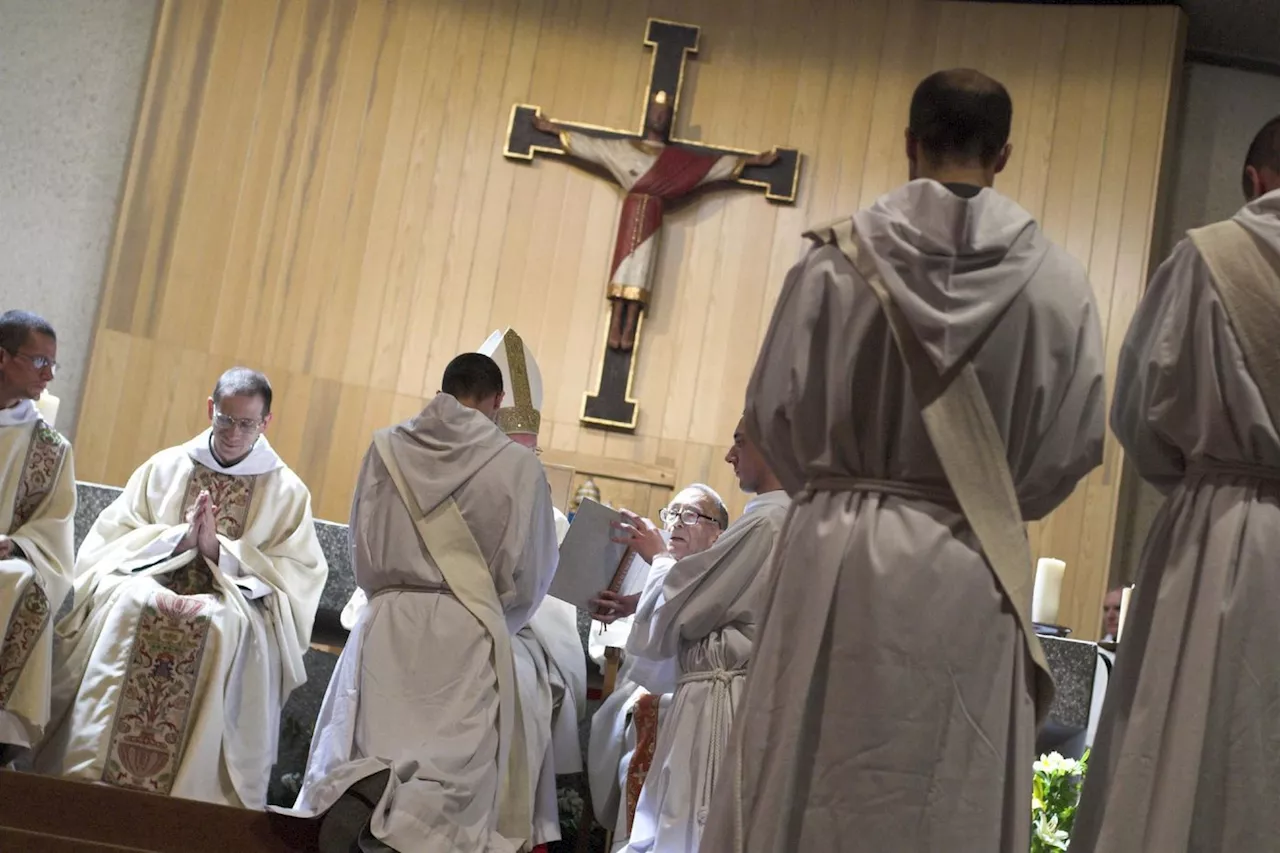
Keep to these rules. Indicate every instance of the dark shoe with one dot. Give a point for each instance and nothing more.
(369, 844)
(342, 825)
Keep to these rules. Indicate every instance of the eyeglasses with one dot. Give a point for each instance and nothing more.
(228, 423)
(39, 362)
(688, 517)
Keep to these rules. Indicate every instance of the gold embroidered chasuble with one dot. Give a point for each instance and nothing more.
(173, 671)
(37, 509)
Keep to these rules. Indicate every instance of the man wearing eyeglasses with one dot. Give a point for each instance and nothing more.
(624, 730)
(37, 507)
(195, 594)
(695, 626)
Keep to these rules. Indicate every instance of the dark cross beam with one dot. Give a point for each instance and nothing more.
(611, 405)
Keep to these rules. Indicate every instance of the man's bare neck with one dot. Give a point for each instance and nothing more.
(974, 176)
(7, 402)
(770, 484)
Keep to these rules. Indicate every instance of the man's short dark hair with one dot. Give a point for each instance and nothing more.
(1264, 153)
(472, 376)
(243, 382)
(16, 326)
(961, 115)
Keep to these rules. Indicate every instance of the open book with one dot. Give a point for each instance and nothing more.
(590, 561)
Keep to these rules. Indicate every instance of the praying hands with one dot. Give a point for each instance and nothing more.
(203, 532)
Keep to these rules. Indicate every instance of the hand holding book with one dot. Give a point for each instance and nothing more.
(639, 534)
(611, 606)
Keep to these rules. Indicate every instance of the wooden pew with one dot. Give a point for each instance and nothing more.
(51, 815)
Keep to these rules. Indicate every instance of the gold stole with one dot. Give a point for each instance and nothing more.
(39, 472)
(30, 614)
(453, 549)
(1245, 276)
(964, 435)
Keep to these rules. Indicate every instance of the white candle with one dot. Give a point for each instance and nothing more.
(1124, 609)
(1044, 600)
(48, 407)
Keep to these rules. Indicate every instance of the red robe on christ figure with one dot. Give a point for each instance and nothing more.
(654, 174)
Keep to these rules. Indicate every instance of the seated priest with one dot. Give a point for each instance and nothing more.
(624, 730)
(195, 592)
(550, 661)
(37, 508)
(694, 630)
(454, 545)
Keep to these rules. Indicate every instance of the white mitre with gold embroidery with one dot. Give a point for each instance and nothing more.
(521, 413)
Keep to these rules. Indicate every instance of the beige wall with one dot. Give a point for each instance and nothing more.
(317, 189)
(71, 74)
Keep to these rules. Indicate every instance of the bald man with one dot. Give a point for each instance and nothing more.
(1186, 753)
(892, 700)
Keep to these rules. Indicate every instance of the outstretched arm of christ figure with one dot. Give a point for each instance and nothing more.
(544, 124)
(764, 158)
(586, 148)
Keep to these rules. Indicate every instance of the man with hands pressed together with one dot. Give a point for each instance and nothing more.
(194, 599)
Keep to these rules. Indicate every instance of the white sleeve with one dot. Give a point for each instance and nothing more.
(249, 585)
(606, 153)
(726, 168)
(535, 565)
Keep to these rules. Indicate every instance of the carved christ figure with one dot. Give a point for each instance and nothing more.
(654, 173)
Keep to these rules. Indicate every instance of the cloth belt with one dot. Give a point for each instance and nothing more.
(436, 588)
(940, 495)
(721, 702)
(1246, 470)
(716, 675)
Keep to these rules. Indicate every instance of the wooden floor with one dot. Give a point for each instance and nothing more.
(49, 815)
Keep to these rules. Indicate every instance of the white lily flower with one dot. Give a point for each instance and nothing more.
(1055, 764)
(1048, 832)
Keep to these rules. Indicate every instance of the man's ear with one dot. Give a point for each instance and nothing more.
(1268, 180)
(1002, 159)
(1252, 183)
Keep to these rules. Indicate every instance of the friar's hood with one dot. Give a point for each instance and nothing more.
(952, 264)
(1262, 218)
(442, 447)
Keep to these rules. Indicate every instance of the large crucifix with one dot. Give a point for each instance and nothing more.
(656, 170)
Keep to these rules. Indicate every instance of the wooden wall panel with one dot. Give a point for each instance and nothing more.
(317, 189)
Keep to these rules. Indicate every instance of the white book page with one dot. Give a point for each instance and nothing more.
(588, 556)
